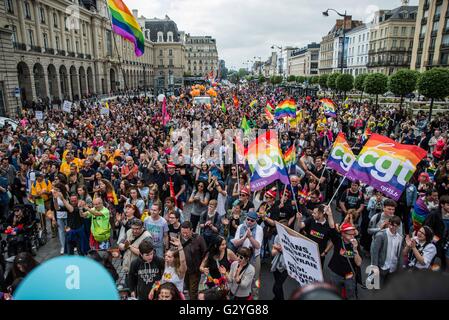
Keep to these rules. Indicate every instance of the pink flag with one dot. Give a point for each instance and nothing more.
(165, 115)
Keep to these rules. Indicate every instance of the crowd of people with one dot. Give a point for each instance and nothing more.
(108, 186)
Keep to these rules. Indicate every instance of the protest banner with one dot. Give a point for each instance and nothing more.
(386, 165)
(67, 106)
(301, 256)
(39, 115)
(341, 156)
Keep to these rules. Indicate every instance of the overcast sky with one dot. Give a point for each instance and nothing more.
(248, 28)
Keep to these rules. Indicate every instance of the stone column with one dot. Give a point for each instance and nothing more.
(37, 20)
(21, 15)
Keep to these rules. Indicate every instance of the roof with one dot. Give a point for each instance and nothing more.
(397, 13)
(162, 25)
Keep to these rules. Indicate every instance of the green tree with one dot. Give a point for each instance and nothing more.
(262, 79)
(344, 82)
(359, 83)
(331, 82)
(376, 83)
(403, 82)
(323, 81)
(291, 78)
(315, 80)
(434, 84)
(300, 79)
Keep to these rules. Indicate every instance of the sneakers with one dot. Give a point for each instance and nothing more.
(62, 251)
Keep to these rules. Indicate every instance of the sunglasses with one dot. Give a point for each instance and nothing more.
(250, 220)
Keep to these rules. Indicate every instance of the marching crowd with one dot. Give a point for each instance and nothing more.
(107, 185)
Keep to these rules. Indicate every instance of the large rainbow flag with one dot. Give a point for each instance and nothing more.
(329, 107)
(125, 25)
(266, 162)
(341, 156)
(286, 108)
(290, 156)
(386, 165)
(419, 213)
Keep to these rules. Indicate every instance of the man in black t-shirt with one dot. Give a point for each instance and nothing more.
(352, 198)
(174, 225)
(317, 228)
(346, 261)
(75, 233)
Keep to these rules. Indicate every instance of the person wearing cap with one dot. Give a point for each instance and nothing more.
(124, 292)
(130, 244)
(250, 235)
(346, 260)
(245, 203)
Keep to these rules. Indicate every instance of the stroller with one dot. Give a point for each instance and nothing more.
(21, 232)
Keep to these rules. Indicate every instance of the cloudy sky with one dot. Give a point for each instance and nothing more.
(245, 29)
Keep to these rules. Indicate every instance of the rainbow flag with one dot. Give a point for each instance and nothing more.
(386, 165)
(366, 134)
(240, 150)
(125, 25)
(290, 156)
(269, 115)
(295, 121)
(341, 156)
(270, 107)
(329, 108)
(253, 103)
(419, 213)
(266, 162)
(286, 108)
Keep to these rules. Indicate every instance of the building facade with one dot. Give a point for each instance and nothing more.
(431, 40)
(358, 46)
(391, 39)
(304, 61)
(201, 55)
(331, 46)
(59, 49)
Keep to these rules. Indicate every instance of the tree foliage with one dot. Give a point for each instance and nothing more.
(323, 81)
(345, 82)
(376, 83)
(332, 81)
(359, 82)
(403, 82)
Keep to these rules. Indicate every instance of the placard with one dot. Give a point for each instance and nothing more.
(67, 106)
(301, 256)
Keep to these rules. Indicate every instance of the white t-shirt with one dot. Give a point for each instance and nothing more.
(247, 243)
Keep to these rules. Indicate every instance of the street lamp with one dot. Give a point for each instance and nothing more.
(344, 15)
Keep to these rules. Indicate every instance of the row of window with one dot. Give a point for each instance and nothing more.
(444, 59)
(384, 32)
(359, 60)
(362, 37)
(42, 15)
(200, 41)
(394, 44)
(202, 55)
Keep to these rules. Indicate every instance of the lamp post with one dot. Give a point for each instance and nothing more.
(344, 15)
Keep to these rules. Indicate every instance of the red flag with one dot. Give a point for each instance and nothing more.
(236, 101)
(172, 189)
(165, 115)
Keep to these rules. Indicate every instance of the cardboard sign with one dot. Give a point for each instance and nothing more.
(67, 106)
(39, 115)
(301, 256)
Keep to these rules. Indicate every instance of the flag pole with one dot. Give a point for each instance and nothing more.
(116, 49)
(336, 191)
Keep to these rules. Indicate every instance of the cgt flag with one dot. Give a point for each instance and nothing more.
(386, 165)
(341, 156)
(266, 162)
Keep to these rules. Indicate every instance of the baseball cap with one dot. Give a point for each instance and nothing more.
(252, 215)
(346, 227)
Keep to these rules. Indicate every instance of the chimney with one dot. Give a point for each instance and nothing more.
(135, 13)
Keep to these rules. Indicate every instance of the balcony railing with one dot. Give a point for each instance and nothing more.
(88, 56)
(71, 54)
(36, 49)
(62, 53)
(81, 55)
(20, 46)
(50, 50)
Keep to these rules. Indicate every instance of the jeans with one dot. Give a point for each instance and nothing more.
(194, 220)
(62, 223)
(279, 279)
(340, 282)
(76, 238)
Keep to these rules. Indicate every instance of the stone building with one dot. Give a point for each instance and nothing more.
(201, 55)
(431, 39)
